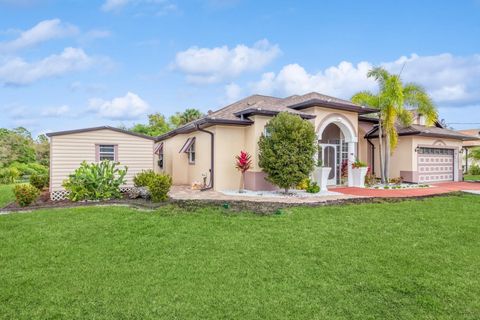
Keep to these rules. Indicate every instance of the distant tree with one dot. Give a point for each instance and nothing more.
(181, 118)
(42, 150)
(475, 153)
(16, 145)
(287, 150)
(157, 125)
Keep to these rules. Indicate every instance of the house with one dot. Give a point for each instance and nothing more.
(467, 146)
(202, 152)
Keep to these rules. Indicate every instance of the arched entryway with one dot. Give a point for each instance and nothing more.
(337, 141)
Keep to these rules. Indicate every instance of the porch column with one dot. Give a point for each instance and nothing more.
(351, 160)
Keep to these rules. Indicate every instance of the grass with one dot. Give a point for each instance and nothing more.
(6, 194)
(406, 260)
(469, 177)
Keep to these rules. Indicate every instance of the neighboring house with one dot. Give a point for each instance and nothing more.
(467, 146)
(204, 150)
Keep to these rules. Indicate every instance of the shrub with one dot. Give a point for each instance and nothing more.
(359, 164)
(27, 169)
(397, 180)
(474, 170)
(25, 194)
(144, 178)
(303, 185)
(287, 151)
(9, 175)
(159, 187)
(39, 181)
(158, 184)
(95, 181)
(313, 188)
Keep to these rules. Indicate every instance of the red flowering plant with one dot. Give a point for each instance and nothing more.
(243, 163)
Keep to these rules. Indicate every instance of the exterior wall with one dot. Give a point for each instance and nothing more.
(403, 162)
(176, 163)
(68, 151)
(322, 113)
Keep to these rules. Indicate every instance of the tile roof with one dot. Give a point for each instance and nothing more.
(427, 131)
(471, 132)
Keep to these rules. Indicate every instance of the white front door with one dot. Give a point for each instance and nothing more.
(328, 154)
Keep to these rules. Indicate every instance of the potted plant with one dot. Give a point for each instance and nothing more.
(320, 175)
(359, 171)
(243, 163)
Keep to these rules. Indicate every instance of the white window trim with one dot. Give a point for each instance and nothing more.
(191, 151)
(98, 154)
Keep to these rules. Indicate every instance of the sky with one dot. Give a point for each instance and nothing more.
(73, 63)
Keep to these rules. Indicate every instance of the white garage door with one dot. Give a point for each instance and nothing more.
(435, 164)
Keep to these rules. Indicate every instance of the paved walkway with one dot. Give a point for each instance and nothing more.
(186, 193)
(438, 188)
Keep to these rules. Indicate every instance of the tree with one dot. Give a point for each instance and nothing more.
(391, 100)
(16, 145)
(181, 118)
(157, 125)
(42, 150)
(474, 153)
(243, 163)
(287, 150)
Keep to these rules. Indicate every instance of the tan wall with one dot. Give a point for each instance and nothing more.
(176, 163)
(321, 113)
(68, 151)
(252, 136)
(404, 158)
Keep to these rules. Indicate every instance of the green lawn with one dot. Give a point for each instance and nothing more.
(406, 260)
(471, 178)
(6, 194)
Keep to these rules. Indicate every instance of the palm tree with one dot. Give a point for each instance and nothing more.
(392, 97)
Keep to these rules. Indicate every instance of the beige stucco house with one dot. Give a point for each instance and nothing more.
(202, 152)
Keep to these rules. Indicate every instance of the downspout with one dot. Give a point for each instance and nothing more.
(212, 162)
(373, 155)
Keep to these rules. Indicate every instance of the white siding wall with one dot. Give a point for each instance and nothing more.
(68, 151)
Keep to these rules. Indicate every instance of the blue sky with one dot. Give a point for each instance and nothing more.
(71, 64)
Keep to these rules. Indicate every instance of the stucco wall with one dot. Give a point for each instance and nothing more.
(68, 151)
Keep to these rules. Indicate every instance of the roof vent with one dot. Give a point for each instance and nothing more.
(209, 112)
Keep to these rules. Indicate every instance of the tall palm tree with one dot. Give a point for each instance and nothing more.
(391, 100)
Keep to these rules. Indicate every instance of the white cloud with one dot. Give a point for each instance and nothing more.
(232, 92)
(43, 31)
(209, 65)
(342, 80)
(448, 78)
(113, 5)
(128, 107)
(55, 112)
(16, 71)
(162, 7)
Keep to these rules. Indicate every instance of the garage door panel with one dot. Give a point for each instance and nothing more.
(435, 164)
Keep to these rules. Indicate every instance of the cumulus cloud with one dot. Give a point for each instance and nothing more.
(16, 71)
(113, 5)
(448, 78)
(128, 107)
(43, 31)
(55, 112)
(210, 65)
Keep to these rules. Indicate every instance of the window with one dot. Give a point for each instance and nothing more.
(191, 153)
(266, 132)
(106, 152)
(160, 160)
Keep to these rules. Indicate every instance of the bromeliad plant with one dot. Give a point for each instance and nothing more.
(243, 163)
(95, 181)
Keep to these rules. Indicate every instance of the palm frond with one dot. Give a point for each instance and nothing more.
(380, 75)
(366, 98)
(418, 98)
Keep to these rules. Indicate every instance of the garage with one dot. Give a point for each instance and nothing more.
(435, 164)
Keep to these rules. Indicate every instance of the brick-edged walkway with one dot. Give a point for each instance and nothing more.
(438, 188)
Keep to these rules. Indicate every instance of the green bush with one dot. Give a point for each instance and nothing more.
(95, 181)
(9, 175)
(287, 150)
(312, 187)
(159, 187)
(39, 181)
(25, 194)
(474, 170)
(27, 169)
(158, 184)
(144, 178)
